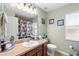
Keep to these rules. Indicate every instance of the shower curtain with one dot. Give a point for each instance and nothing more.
(25, 28)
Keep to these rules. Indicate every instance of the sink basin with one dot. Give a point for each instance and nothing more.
(7, 46)
(30, 44)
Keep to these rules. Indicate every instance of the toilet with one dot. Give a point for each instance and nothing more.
(51, 49)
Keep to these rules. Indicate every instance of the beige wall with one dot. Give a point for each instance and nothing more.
(56, 34)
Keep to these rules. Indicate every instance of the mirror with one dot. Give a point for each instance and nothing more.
(17, 23)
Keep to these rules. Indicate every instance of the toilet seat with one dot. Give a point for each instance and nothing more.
(51, 47)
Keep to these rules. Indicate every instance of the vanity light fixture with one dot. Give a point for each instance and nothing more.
(30, 8)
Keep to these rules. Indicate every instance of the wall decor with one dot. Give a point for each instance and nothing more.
(51, 21)
(60, 22)
(43, 21)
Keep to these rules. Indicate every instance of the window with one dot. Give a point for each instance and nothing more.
(72, 27)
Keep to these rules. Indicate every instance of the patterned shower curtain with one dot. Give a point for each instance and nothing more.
(24, 28)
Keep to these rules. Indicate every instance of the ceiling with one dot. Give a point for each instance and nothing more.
(50, 6)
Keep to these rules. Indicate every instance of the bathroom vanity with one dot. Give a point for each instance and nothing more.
(20, 50)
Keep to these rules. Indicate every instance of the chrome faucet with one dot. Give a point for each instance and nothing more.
(11, 39)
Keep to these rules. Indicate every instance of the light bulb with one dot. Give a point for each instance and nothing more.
(35, 11)
(28, 9)
(20, 6)
(31, 10)
(24, 8)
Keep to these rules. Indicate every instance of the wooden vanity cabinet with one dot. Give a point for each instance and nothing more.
(38, 51)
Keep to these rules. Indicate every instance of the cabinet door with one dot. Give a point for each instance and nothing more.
(45, 49)
(39, 53)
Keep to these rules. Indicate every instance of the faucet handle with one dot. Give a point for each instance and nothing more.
(12, 39)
